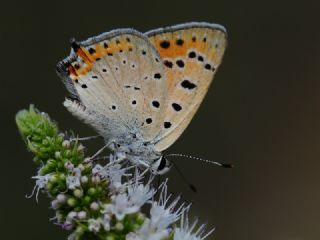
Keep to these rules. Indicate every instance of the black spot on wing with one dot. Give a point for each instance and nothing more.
(192, 54)
(188, 85)
(165, 44)
(207, 66)
(149, 120)
(157, 76)
(92, 50)
(200, 58)
(156, 104)
(180, 63)
(168, 64)
(176, 107)
(179, 42)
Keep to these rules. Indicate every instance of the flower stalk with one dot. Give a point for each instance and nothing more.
(95, 201)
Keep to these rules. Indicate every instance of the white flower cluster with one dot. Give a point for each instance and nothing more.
(126, 197)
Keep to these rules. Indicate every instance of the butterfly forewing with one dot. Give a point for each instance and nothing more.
(118, 78)
(191, 54)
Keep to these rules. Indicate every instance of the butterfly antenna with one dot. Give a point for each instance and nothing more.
(224, 165)
(190, 185)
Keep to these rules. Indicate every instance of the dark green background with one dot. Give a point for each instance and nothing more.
(262, 114)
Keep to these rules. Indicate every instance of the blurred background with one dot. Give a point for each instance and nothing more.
(262, 114)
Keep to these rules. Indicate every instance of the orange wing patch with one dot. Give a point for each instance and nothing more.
(87, 56)
(177, 47)
(191, 56)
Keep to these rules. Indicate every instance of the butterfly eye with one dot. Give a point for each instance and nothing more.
(160, 166)
(163, 163)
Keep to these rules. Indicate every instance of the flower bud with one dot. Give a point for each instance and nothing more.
(81, 167)
(110, 238)
(82, 215)
(61, 198)
(55, 204)
(69, 165)
(92, 191)
(86, 200)
(72, 202)
(67, 226)
(119, 226)
(94, 206)
(66, 144)
(57, 154)
(80, 147)
(78, 193)
(84, 179)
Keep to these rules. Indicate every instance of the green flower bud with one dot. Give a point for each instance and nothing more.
(71, 202)
(78, 193)
(92, 191)
(110, 238)
(86, 200)
(62, 177)
(54, 178)
(140, 218)
(119, 226)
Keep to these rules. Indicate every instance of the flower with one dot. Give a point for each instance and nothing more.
(120, 206)
(100, 201)
(184, 232)
(106, 222)
(73, 180)
(139, 194)
(41, 182)
(94, 224)
(114, 173)
(161, 217)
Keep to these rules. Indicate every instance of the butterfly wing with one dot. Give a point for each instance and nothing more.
(191, 54)
(117, 84)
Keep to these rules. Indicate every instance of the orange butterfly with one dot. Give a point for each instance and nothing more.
(140, 91)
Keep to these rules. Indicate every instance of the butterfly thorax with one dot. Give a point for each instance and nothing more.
(135, 149)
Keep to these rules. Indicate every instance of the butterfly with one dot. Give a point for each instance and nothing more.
(139, 91)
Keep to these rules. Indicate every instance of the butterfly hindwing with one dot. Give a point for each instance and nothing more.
(191, 54)
(119, 80)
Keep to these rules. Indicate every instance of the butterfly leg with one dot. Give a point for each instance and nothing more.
(85, 138)
(94, 156)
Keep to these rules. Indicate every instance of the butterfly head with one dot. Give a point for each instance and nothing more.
(160, 166)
